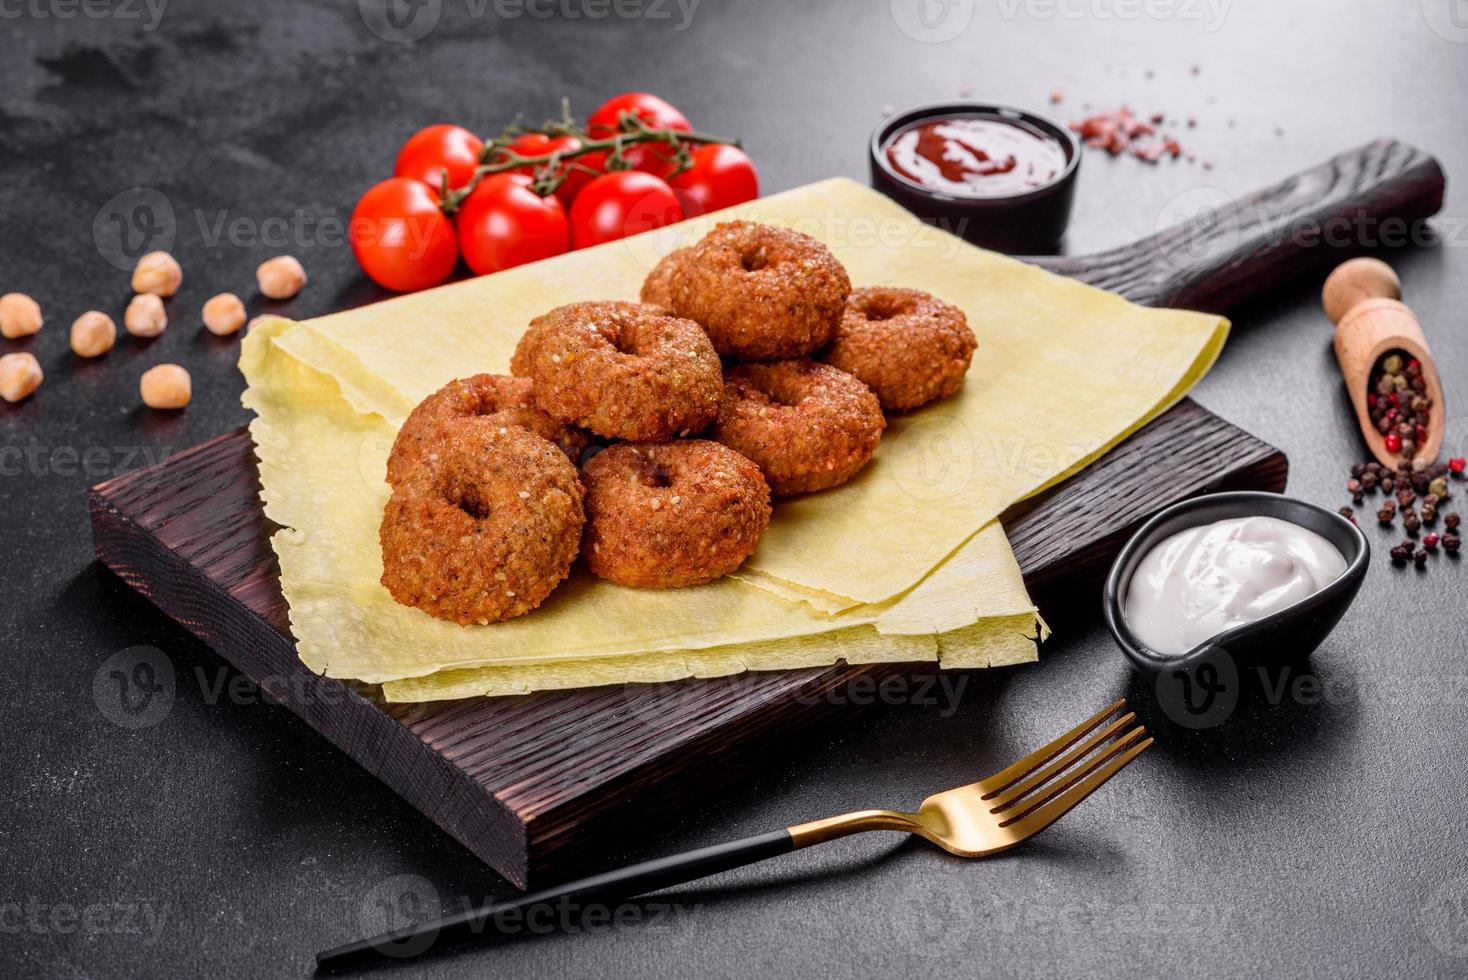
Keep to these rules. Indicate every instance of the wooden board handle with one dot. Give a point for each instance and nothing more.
(1236, 250)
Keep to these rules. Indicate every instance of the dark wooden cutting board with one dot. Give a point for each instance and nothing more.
(527, 782)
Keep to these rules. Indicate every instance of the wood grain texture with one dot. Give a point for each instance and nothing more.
(527, 783)
(1222, 252)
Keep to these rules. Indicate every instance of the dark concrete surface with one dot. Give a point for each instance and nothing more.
(1318, 836)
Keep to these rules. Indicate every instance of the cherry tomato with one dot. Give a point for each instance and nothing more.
(538, 144)
(652, 110)
(430, 151)
(721, 177)
(400, 236)
(622, 203)
(503, 223)
(657, 159)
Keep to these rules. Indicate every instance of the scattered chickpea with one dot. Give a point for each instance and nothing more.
(224, 314)
(93, 334)
(20, 374)
(157, 273)
(166, 386)
(281, 277)
(20, 316)
(145, 316)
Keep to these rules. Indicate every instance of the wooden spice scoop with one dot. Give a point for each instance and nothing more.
(1363, 298)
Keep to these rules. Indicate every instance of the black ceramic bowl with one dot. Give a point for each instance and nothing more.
(1031, 223)
(1288, 636)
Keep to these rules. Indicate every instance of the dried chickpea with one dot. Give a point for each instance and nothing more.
(281, 277)
(224, 314)
(166, 386)
(145, 316)
(157, 273)
(20, 374)
(93, 334)
(20, 316)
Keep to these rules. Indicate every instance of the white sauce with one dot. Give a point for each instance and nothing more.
(1208, 579)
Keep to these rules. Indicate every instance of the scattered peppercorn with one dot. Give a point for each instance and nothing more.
(1452, 520)
(1451, 543)
(1429, 541)
(1438, 486)
(1420, 558)
(1348, 513)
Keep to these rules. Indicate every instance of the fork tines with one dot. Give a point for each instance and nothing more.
(1042, 787)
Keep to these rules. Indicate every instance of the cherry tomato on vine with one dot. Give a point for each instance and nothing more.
(434, 149)
(504, 223)
(658, 159)
(622, 203)
(400, 236)
(538, 144)
(721, 177)
(656, 112)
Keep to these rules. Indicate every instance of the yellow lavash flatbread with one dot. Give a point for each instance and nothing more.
(376, 363)
(321, 467)
(1064, 371)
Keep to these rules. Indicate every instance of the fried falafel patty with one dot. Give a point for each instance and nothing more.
(622, 370)
(485, 527)
(657, 288)
(499, 398)
(807, 425)
(663, 515)
(762, 293)
(909, 347)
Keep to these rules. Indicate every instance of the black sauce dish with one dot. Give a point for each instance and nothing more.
(1028, 223)
(1288, 636)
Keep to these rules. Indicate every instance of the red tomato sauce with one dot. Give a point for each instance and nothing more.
(976, 156)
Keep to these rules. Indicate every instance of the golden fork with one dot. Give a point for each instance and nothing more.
(971, 821)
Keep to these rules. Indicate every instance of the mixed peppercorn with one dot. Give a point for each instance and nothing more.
(1398, 403)
(1415, 491)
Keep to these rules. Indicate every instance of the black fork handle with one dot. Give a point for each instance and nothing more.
(508, 918)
